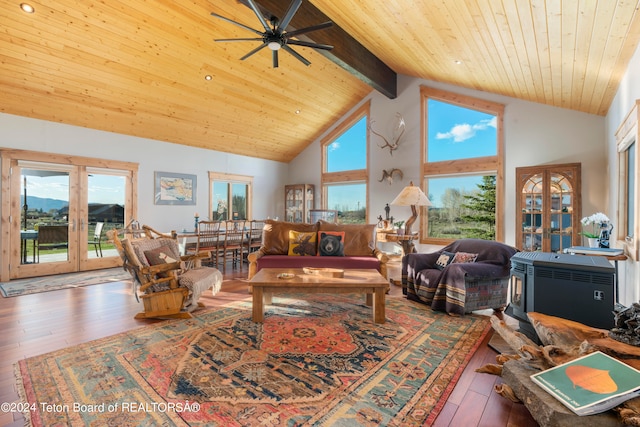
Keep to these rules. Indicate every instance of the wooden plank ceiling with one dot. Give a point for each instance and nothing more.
(138, 67)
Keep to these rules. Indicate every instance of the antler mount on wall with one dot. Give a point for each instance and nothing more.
(398, 131)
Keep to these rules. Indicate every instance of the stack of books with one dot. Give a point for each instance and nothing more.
(585, 250)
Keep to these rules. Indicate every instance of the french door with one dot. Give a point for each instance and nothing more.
(56, 205)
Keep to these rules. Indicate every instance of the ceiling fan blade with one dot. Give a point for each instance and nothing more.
(275, 58)
(293, 8)
(309, 44)
(235, 23)
(263, 21)
(297, 55)
(262, 46)
(238, 40)
(309, 29)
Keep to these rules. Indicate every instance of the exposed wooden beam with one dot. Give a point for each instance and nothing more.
(346, 52)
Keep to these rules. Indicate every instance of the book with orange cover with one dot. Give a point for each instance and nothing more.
(591, 384)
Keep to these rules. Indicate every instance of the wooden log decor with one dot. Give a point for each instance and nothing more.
(627, 324)
(562, 340)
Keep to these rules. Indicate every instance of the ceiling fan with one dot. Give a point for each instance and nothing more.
(276, 36)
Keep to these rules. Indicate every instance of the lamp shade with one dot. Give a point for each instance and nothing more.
(411, 196)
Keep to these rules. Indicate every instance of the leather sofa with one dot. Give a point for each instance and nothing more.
(359, 251)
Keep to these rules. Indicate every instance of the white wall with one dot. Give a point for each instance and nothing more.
(39, 135)
(535, 134)
(628, 93)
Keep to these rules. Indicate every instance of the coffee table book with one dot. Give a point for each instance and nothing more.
(591, 384)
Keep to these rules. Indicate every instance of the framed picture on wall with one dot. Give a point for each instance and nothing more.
(175, 189)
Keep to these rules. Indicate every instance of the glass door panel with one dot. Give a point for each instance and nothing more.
(220, 205)
(47, 220)
(104, 209)
(239, 201)
(549, 205)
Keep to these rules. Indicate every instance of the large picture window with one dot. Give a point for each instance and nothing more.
(628, 210)
(230, 196)
(344, 168)
(462, 167)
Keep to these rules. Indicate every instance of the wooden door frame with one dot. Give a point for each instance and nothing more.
(10, 225)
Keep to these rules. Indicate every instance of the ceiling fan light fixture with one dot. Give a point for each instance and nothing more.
(276, 36)
(274, 45)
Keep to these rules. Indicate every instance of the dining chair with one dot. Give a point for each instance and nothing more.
(254, 235)
(234, 236)
(210, 239)
(97, 238)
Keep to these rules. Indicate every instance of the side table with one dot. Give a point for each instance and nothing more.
(404, 240)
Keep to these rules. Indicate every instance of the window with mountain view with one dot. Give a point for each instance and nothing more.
(462, 167)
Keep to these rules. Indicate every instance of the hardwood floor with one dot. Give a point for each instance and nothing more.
(40, 323)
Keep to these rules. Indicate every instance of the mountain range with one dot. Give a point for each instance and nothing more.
(44, 204)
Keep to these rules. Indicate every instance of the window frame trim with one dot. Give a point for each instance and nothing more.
(348, 176)
(473, 166)
(232, 178)
(626, 135)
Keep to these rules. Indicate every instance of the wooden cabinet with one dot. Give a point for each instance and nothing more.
(298, 201)
(548, 205)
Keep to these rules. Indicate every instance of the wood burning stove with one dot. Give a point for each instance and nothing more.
(574, 287)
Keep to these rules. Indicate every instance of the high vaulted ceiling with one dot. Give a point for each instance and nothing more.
(138, 67)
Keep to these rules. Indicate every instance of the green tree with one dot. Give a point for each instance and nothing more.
(481, 206)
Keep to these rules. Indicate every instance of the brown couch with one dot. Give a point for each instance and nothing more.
(359, 248)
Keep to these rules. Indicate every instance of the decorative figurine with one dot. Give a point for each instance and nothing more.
(605, 234)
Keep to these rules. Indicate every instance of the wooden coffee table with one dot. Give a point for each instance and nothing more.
(369, 282)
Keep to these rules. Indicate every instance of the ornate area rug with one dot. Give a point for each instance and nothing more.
(36, 285)
(317, 361)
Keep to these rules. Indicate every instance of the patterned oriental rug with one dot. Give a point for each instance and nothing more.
(35, 285)
(319, 361)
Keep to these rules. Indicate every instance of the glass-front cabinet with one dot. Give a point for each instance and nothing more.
(548, 203)
(298, 202)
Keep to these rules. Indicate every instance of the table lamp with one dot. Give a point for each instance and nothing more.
(411, 196)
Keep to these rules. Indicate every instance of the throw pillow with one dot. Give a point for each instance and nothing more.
(302, 243)
(331, 243)
(444, 259)
(360, 239)
(463, 257)
(161, 255)
(275, 235)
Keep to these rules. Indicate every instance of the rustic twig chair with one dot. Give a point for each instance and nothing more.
(170, 284)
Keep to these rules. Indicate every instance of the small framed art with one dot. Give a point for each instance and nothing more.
(175, 188)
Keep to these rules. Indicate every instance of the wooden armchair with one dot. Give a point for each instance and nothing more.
(170, 284)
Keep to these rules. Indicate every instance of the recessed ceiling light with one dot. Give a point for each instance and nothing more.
(298, 111)
(457, 62)
(208, 77)
(27, 7)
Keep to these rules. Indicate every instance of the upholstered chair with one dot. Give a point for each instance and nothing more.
(466, 275)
